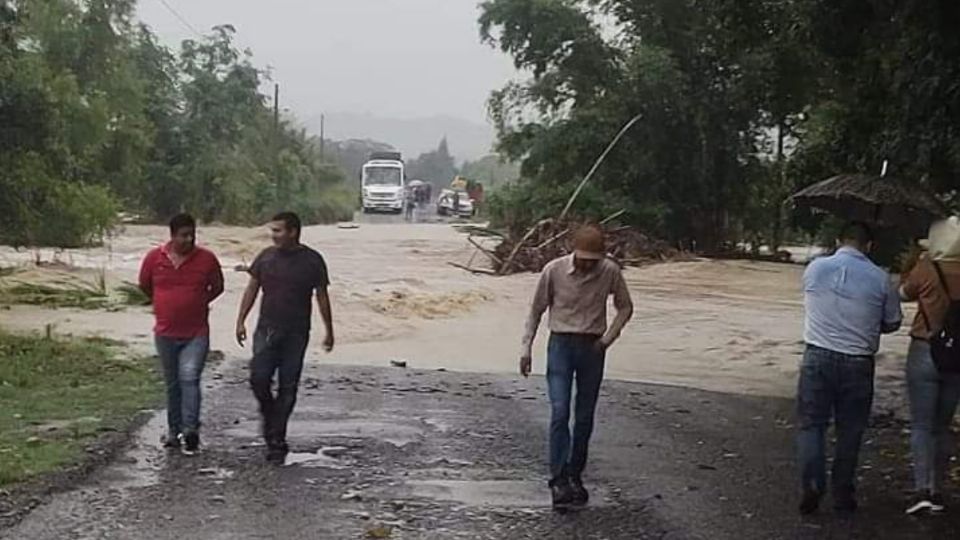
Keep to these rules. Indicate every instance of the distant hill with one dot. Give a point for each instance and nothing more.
(467, 140)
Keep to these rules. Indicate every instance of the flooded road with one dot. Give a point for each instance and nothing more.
(454, 445)
(730, 326)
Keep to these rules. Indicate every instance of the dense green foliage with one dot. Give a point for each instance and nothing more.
(351, 154)
(97, 116)
(492, 171)
(742, 102)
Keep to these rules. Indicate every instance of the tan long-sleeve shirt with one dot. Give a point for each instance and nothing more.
(578, 301)
(922, 284)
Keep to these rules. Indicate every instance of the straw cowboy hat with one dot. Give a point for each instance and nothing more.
(943, 242)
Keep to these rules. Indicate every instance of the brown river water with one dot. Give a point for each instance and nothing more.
(729, 326)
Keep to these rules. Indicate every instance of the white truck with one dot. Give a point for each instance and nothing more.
(383, 183)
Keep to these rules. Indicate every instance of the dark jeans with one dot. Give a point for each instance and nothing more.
(183, 361)
(572, 357)
(933, 403)
(838, 386)
(277, 351)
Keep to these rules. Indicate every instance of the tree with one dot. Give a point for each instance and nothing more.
(891, 70)
(436, 167)
(351, 154)
(492, 171)
(684, 171)
(96, 115)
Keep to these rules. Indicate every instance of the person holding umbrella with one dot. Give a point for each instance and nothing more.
(849, 303)
(933, 371)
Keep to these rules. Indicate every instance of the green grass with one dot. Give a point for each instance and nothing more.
(57, 397)
(43, 295)
(73, 294)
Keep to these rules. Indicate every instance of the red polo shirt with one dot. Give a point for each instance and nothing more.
(181, 294)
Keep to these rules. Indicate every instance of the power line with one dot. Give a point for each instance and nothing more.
(181, 18)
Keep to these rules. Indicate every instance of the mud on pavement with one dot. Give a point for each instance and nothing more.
(397, 453)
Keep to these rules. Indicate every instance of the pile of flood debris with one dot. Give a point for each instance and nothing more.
(550, 239)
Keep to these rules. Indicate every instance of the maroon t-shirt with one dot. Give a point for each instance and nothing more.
(288, 278)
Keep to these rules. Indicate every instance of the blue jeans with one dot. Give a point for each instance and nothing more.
(572, 357)
(280, 352)
(183, 361)
(839, 386)
(933, 403)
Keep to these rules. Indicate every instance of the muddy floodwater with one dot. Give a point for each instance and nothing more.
(716, 325)
(383, 452)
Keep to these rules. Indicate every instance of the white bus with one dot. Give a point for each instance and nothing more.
(383, 183)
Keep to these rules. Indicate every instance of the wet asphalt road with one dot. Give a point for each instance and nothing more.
(397, 453)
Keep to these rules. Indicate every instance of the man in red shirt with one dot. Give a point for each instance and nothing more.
(182, 280)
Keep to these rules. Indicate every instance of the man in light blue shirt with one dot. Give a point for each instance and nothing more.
(849, 303)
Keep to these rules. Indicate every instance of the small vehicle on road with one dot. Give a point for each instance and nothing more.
(455, 203)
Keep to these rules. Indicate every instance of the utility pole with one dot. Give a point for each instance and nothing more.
(276, 108)
(322, 135)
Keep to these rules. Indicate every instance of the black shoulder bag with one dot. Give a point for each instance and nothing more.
(945, 342)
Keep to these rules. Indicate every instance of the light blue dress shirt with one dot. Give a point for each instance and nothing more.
(849, 302)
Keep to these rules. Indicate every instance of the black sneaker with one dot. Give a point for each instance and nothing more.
(580, 494)
(191, 444)
(810, 502)
(170, 441)
(920, 504)
(562, 494)
(277, 452)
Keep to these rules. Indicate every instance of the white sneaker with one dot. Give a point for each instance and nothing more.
(922, 503)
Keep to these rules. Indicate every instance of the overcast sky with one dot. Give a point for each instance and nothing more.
(389, 58)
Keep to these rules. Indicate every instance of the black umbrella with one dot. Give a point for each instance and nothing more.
(877, 200)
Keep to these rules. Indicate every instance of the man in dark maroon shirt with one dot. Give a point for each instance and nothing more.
(289, 273)
(182, 280)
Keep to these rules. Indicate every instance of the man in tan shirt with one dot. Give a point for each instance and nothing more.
(575, 290)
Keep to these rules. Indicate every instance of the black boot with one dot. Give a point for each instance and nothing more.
(562, 493)
(810, 502)
(580, 494)
(845, 501)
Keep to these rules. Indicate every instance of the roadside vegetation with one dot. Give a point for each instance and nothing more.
(742, 104)
(62, 289)
(97, 117)
(58, 396)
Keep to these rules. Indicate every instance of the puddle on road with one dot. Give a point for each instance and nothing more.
(140, 466)
(322, 458)
(386, 430)
(484, 493)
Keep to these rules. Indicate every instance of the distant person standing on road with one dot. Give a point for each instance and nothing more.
(849, 303)
(410, 203)
(289, 273)
(933, 370)
(575, 290)
(182, 280)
